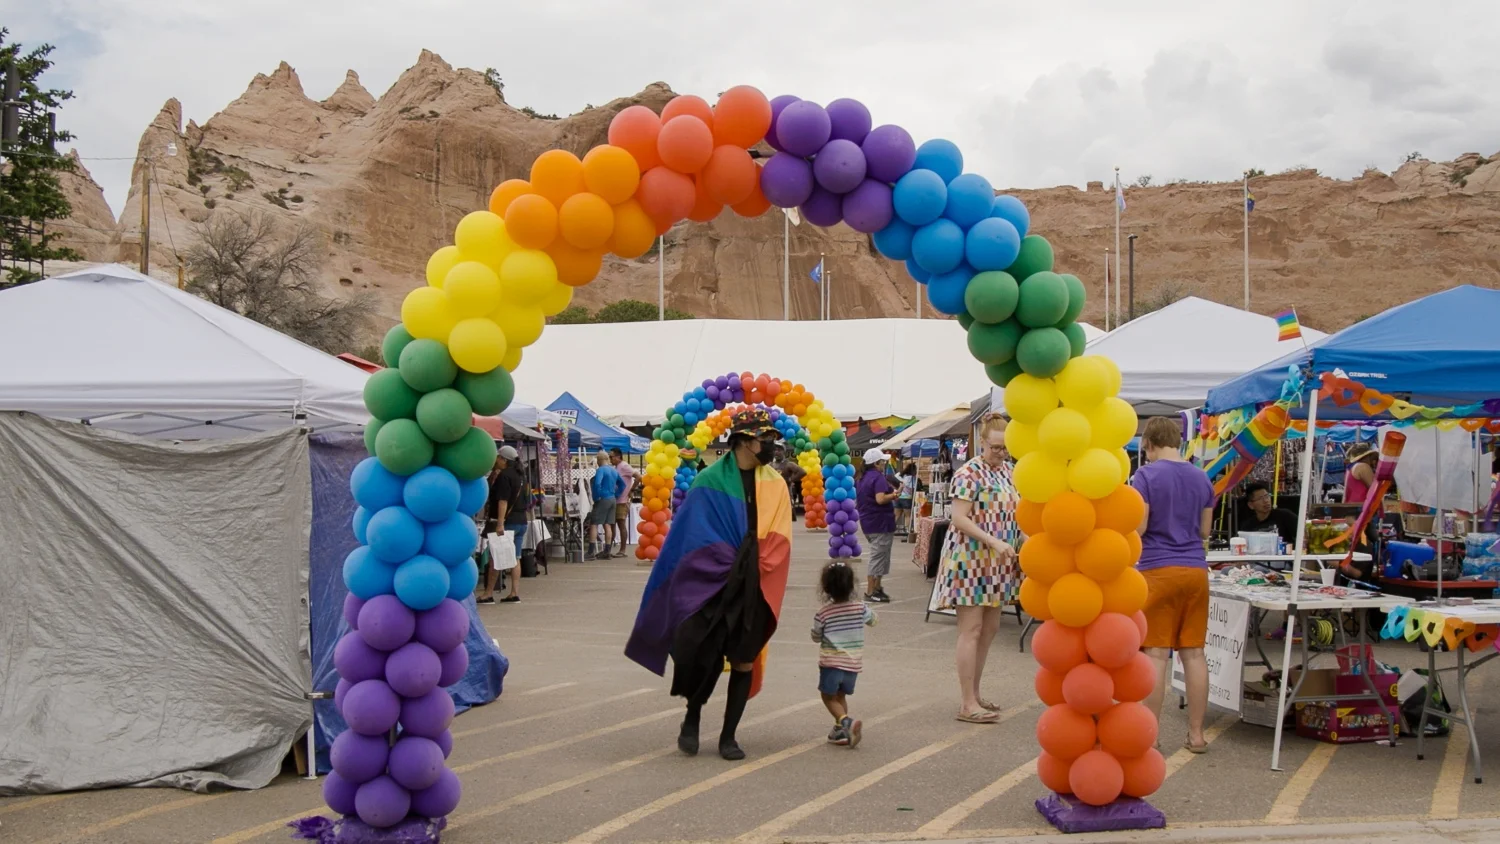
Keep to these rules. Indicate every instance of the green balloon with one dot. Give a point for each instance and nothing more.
(426, 366)
(1043, 352)
(656, 433)
(825, 445)
(837, 436)
(1077, 295)
(841, 449)
(677, 421)
(994, 344)
(668, 436)
(489, 393)
(471, 456)
(1000, 374)
(1077, 340)
(830, 459)
(444, 415)
(965, 319)
(992, 296)
(1035, 257)
(371, 431)
(387, 395)
(1044, 300)
(847, 460)
(401, 447)
(395, 340)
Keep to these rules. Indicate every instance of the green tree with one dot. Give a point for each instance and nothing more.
(575, 315)
(30, 194)
(634, 310)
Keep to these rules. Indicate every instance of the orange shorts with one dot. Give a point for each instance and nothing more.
(1176, 607)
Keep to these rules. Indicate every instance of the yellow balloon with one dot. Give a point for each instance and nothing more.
(1083, 383)
(427, 314)
(1020, 439)
(481, 236)
(1111, 371)
(1040, 477)
(556, 301)
(1125, 467)
(1028, 399)
(1064, 433)
(477, 344)
(673, 450)
(1112, 424)
(512, 360)
(473, 289)
(522, 325)
(527, 276)
(440, 263)
(1094, 474)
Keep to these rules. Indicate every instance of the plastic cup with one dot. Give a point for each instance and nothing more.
(1328, 575)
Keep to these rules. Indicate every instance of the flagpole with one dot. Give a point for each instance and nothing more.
(1117, 249)
(661, 278)
(918, 286)
(1106, 288)
(822, 290)
(1245, 207)
(828, 285)
(786, 266)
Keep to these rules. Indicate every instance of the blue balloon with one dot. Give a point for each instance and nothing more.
(915, 271)
(450, 540)
(946, 291)
(920, 197)
(970, 199)
(992, 244)
(462, 579)
(432, 494)
(839, 495)
(938, 247)
(421, 583)
(374, 486)
(395, 534)
(367, 576)
(700, 392)
(941, 157)
(472, 496)
(361, 521)
(894, 241)
(1010, 208)
(691, 418)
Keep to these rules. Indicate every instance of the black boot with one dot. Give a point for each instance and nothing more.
(734, 708)
(687, 738)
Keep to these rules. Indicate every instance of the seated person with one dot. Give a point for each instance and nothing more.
(1265, 517)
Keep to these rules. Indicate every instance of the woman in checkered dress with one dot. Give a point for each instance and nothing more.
(980, 573)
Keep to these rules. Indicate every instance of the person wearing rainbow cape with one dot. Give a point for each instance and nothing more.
(715, 591)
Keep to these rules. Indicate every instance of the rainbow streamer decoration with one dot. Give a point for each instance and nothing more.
(1385, 475)
(1248, 446)
(1287, 326)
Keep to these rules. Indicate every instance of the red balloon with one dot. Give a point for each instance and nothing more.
(1097, 778)
(666, 194)
(1140, 621)
(635, 130)
(1089, 689)
(685, 144)
(1059, 647)
(705, 206)
(755, 205)
(1134, 681)
(688, 104)
(1127, 729)
(1065, 732)
(730, 175)
(1049, 686)
(1053, 772)
(1112, 640)
(1144, 774)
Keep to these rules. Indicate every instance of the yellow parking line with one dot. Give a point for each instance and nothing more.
(46, 799)
(89, 832)
(566, 710)
(1210, 734)
(1450, 782)
(552, 688)
(1289, 802)
(944, 823)
(564, 742)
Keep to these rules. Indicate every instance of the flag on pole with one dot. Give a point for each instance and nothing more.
(791, 214)
(1287, 324)
(817, 273)
(1119, 194)
(1249, 199)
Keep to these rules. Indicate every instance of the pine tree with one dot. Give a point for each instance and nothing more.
(30, 194)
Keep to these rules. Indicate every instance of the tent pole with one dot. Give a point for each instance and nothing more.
(1437, 522)
(1296, 572)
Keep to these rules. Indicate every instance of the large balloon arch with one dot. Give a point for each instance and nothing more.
(512, 265)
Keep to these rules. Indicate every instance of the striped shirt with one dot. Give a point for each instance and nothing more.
(839, 630)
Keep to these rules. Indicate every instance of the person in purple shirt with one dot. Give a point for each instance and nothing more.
(1179, 515)
(877, 515)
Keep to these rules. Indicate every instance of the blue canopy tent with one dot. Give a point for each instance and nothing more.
(588, 423)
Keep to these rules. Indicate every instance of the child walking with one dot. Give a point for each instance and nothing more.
(839, 629)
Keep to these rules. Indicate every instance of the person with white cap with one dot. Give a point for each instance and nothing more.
(506, 512)
(875, 498)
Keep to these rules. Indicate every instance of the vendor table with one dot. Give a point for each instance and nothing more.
(1217, 559)
(1427, 589)
(1485, 613)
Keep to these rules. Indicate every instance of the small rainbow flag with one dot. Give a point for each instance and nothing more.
(1287, 323)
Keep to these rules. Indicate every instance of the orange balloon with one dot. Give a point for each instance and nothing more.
(1127, 729)
(575, 267)
(586, 221)
(1144, 774)
(505, 193)
(1034, 599)
(665, 225)
(688, 104)
(648, 528)
(1049, 686)
(1046, 560)
(1112, 640)
(1121, 510)
(557, 174)
(666, 194)
(1133, 539)
(1096, 778)
(1089, 689)
(705, 208)
(1053, 772)
(611, 172)
(634, 232)
(531, 221)
(1103, 554)
(756, 204)
(1075, 600)
(1058, 647)
(659, 518)
(1135, 680)
(730, 175)
(1029, 517)
(634, 130)
(685, 144)
(1065, 732)
(741, 117)
(1125, 594)
(1068, 518)
(1140, 622)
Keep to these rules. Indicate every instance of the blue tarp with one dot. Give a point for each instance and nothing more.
(333, 457)
(1441, 350)
(582, 419)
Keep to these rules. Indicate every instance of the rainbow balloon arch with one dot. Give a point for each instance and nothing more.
(487, 298)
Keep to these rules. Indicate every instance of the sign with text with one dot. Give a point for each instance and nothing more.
(1224, 649)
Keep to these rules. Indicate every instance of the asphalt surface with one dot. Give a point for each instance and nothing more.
(580, 747)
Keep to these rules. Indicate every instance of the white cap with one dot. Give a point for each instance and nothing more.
(509, 453)
(874, 456)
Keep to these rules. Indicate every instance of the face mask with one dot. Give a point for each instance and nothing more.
(764, 452)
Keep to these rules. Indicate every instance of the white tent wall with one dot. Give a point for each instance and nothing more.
(1461, 469)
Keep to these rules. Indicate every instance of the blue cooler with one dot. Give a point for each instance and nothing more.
(1397, 554)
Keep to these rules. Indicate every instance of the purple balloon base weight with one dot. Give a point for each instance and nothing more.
(412, 830)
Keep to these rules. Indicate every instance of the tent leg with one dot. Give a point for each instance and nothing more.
(312, 747)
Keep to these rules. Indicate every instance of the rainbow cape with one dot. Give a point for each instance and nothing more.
(699, 552)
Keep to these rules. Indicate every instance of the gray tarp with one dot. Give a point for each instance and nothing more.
(153, 607)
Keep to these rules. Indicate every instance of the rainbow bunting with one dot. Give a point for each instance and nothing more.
(1287, 324)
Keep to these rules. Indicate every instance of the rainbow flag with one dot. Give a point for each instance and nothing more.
(1287, 324)
(1241, 454)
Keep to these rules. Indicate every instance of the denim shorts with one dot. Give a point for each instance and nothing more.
(831, 681)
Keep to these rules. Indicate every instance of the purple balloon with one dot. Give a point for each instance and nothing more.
(439, 800)
(845, 552)
(787, 181)
(713, 391)
(850, 120)
(722, 382)
(889, 152)
(839, 516)
(455, 666)
(428, 715)
(835, 530)
(359, 759)
(416, 762)
(382, 803)
(443, 627)
(777, 105)
(840, 166)
(385, 623)
(339, 690)
(338, 793)
(868, 207)
(445, 741)
(803, 128)
(352, 605)
(413, 670)
(823, 208)
(371, 708)
(355, 660)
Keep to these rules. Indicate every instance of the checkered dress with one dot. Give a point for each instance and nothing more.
(972, 574)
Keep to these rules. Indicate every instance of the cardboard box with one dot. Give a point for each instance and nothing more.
(1385, 684)
(1338, 724)
(1258, 705)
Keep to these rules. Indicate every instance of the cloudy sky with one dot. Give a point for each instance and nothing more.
(1036, 94)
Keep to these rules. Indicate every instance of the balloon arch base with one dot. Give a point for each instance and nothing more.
(1071, 815)
(352, 830)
